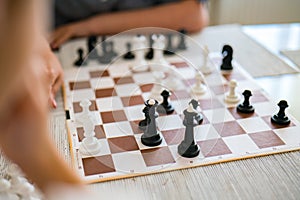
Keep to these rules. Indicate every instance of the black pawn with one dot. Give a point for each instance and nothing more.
(149, 55)
(80, 60)
(151, 136)
(182, 44)
(188, 147)
(165, 106)
(280, 118)
(129, 55)
(169, 48)
(245, 107)
(227, 53)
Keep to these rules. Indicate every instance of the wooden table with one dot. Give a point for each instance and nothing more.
(277, 38)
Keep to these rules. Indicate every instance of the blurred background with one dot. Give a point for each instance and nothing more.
(254, 11)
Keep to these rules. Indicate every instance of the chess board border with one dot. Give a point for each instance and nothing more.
(267, 152)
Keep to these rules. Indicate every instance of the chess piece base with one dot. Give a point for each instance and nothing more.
(226, 68)
(90, 148)
(149, 54)
(232, 99)
(243, 109)
(198, 90)
(285, 121)
(187, 150)
(169, 52)
(207, 69)
(226, 71)
(151, 141)
(129, 56)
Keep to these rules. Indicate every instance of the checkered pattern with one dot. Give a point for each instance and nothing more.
(117, 96)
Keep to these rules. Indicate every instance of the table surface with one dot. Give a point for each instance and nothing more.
(276, 38)
(268, 177)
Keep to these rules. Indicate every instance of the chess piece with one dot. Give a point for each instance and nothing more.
(149, 54)
(195, 105)
(158, 62)
(108, 52)
(188, 147)
(143, 123)
(90, 144)
(92, 51)
(151, 136)
(166, 106)
(129, 55)
(157, 86)
(232, 96)
(227, 52)
(245, 107)
(80, 61)
(280, 118)
(139, 64)
(111, 49)
(199, 88)
(169, 50)
(206, 67)
(182, 43)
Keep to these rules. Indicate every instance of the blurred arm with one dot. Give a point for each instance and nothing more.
(187, 14)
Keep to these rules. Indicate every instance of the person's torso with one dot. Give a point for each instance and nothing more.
(67, 11)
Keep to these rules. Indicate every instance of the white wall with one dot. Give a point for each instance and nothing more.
(254, 11)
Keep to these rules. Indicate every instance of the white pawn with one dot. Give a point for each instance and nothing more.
(206, 67)
(90, 144)
(139, 64)
(158, 62)
(199, 88)
(157, 87)
(231, 96)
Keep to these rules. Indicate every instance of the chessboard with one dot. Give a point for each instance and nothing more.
(117, 96)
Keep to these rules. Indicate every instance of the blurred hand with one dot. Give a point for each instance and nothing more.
(55, 76)
(64, 33)
(53, 70)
